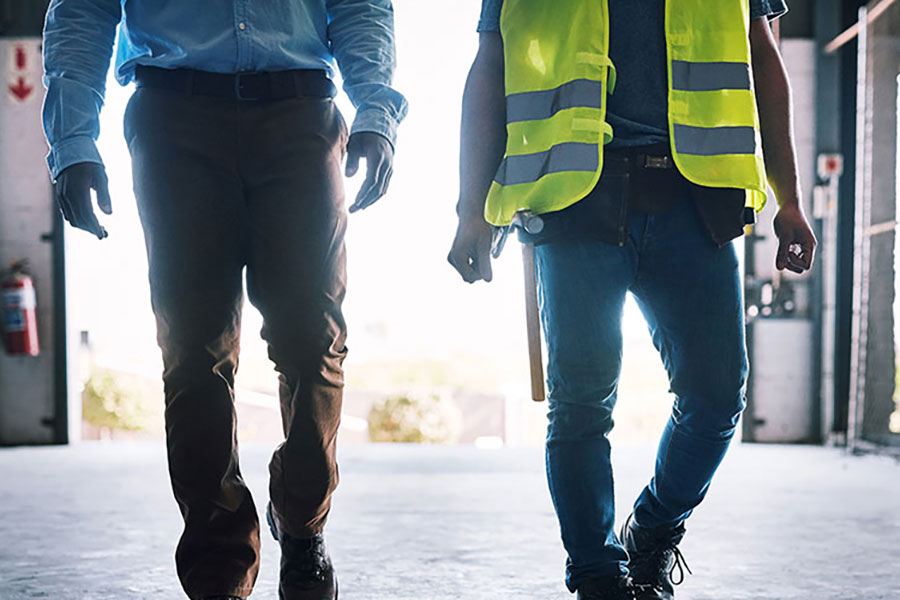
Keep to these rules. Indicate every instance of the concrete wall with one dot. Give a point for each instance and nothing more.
(28, 392)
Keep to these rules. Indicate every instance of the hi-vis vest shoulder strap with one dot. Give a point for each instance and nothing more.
(558, 75)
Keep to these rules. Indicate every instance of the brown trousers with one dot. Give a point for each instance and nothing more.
(222, 185)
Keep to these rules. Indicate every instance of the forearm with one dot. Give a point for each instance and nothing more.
(773, 97)
(483, 130)
(362, 38)
(78, 44)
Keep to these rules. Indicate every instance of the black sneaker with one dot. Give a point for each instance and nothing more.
(306, 570)
(615, 587)
(653, 558)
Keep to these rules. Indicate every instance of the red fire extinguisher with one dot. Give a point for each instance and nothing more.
(20, 334)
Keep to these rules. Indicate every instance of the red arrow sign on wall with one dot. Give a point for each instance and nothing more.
(20, 89)
(21, 57)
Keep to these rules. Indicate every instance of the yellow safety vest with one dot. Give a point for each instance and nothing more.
(558, 74)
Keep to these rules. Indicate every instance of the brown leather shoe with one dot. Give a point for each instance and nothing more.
(306, 569)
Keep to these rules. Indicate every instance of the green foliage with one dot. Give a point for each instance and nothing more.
(476, 373)
(429, 419)
(108, 402)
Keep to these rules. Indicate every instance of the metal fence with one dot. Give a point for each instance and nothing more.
(874, 408)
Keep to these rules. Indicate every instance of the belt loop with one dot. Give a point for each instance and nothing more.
(236, 81)
(287, 87)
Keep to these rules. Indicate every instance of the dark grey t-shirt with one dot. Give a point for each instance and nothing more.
(638, 108)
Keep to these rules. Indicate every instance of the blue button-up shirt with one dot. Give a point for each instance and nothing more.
(223, 36)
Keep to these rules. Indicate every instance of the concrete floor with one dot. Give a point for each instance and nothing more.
(96, 521)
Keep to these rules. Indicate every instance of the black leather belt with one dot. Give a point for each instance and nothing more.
(265, 85)
(656, 156)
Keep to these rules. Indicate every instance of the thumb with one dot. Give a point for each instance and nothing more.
(352, 160)
(484, 262)
(103, 199)
(781, 257)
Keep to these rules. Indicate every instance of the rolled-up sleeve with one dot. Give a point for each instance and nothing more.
(767, 8)
(362, 39)
(78, 44)
(490, 15)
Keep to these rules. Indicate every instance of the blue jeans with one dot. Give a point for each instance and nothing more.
(689, 291)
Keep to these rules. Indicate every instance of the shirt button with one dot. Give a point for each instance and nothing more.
(242, 26)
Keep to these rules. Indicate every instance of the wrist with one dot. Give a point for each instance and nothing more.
(467, 211)
(376, 121)
(788, 200)
(791, 203)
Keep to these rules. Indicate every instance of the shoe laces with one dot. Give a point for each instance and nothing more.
(630, 589)
(656, 562)
(681, 564)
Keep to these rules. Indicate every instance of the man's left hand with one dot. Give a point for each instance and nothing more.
(796, 241)
(379, 155)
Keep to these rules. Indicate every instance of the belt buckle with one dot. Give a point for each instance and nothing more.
(240, 86)
(656, 162)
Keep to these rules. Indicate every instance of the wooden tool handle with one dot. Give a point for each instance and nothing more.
(533, 323)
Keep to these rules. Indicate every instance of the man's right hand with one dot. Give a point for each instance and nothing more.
(73, 194)
(470, 254)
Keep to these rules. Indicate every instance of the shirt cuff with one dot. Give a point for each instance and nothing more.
(71, 151)
(378, 121)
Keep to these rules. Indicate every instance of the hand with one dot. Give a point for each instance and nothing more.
(796, 241)
(379, 155)
(470, 254)
(72, 189)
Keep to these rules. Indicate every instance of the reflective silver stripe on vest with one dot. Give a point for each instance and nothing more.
(533, 106)
(528, 168)
(709, 76)
(709, 141)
